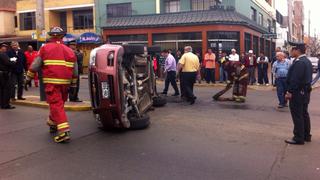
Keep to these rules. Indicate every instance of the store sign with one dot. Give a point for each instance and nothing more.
(89, 38)
(272, 36)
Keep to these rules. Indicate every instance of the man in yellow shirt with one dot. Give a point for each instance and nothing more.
(189, 66)
(210, 65)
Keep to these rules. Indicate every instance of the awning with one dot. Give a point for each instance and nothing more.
(18, 39)
(68, 38)
(89, 38)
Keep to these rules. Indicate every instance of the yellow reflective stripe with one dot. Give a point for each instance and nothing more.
(56, 81)
(58, 63)
(63, 125)
(74, 80)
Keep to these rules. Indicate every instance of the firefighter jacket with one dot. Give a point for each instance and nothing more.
(57, 62)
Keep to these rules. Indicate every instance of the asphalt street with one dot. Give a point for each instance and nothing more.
(209, 140)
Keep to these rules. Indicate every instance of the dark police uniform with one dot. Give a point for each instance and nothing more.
(299, 85)
(5, 66)
(74, 91)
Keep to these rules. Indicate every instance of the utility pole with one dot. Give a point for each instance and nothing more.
(41, 38)
(309, 24)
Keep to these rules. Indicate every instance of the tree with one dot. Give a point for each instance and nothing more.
(314, 46)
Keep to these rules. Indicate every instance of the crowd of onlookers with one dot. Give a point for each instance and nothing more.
(13, 72)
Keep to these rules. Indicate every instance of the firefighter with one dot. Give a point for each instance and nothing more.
(60, 71)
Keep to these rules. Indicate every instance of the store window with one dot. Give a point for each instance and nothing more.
(223, 41)
(119, 10)
(177, 41)
(268, 49)
(15, 21)
(83, 19)
(262, 45)
(255, 45)
(198, 5)
(27, 21)
(172, 6)
(247, 42)
(129, 39)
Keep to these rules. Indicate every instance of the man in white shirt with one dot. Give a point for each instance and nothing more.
(234, 56)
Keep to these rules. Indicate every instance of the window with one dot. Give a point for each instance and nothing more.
(253, 14)
(15, 21)
(247, 42)
(172, 6)
(269, 25)
(83, 19)
(198, 5)
(119, 10)
(260, 19)
(27, 21)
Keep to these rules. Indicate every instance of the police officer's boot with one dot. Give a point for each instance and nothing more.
(62, 137)
(52, 126)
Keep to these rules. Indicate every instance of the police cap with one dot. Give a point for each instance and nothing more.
(298, 46)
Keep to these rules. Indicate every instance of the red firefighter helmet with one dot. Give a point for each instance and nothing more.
(56, 31)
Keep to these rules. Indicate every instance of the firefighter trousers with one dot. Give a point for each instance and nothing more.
(56, 96)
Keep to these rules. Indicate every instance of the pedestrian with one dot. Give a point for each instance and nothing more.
(210, 65)
(17, 74)
(170, 69)
(223, 73)
(60, 71)
(263, 63)
(274, 59)
(30, 55)
(243, 58)
(161, 65)
(280, 70)
(189, 67)
(234, 56)
(299, 90)
(251, 64)
(74, 91)
(155, 65)
(5, 66)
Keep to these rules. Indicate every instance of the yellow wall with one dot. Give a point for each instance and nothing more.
(6, 23)
(52, 17)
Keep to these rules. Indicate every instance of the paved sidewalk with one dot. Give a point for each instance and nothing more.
(34, 101)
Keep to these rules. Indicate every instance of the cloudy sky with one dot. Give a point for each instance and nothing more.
(312, 5)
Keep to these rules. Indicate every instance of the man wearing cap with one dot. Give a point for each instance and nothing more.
(251, 64)
(74, 91)
(234, 56)
(263, 63)
(299, 89)
(59, 68)
(5, 66)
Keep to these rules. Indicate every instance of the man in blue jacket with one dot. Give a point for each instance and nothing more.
(17, 72)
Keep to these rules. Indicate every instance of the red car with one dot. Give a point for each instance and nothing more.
(123, 86)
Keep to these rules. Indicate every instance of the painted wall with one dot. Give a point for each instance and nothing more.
(52, 17)
(139, 7)
(244, 7)
(6, 23)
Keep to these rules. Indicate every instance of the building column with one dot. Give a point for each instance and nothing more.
(242, 42)
(251, 39)
(150, 39)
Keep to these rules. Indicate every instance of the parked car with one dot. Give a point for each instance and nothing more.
(314, 61)
(122, 86)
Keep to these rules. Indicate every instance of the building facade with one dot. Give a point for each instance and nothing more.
(296, 20)
(172, 24)
(7, 18)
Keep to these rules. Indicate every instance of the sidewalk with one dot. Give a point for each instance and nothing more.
(34, 101)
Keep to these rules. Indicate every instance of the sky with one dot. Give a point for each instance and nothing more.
(313, 6)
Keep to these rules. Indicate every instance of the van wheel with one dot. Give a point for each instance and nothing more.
(159, 101)
(137, 123)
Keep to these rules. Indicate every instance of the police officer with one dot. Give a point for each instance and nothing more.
(5, 66)
(299, 89)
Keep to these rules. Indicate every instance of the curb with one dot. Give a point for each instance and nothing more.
(84, 107)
